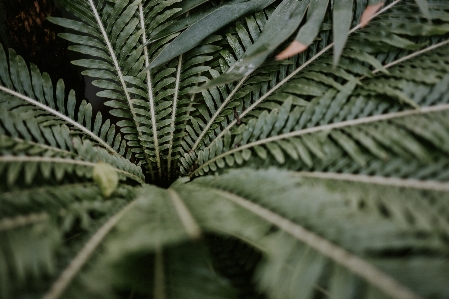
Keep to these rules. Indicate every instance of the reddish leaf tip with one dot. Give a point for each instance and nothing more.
(294, 48)
(368, 13)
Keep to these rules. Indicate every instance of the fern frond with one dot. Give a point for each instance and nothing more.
(363, 143)
(36, 91)
(57, 136)
(214, 105)
(173, 221)
(78, 262)
(151, 93)
(27, 250)
(48, 144)
(18, 154)
(377, 137)
(58, 216)
(423, 208)
(107, 42)
(302, 87)
(325, 238)
(323, 112)
(134, 92)
(173, 102)
(37, 199)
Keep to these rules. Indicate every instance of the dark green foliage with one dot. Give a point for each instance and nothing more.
(323, 175)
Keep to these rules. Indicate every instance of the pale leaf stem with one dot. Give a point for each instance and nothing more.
(413, 55)
(75, 266)
(159, 275)
(61, 116)
(22, 220)
(338, 254)
(291, 75)
(222, 106)
(173, 118)
(24, 159)
(150, 96)
(44, 146)
(119, 72)
(190, 225)
(378, 180)
(327, 127)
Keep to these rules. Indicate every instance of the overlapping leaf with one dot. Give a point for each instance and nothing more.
(260, 135)
(368, 140)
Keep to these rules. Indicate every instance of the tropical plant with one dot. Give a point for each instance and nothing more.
(220, 172)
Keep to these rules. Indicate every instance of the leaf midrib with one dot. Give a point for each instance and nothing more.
(66, 277)
(119, 73)
(22, 220)
(12, 159)
(150, 98)
(216, 114)
(336, 253)
(43, 146)
(291, 75)
(338, 125)
(377, 180)
(173, 118)
(61, 116)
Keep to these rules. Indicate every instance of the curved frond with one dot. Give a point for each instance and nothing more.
(263, 134)
(168, 256)
(153, 105)
(78, 262)
(342, 181)
(323, 238)
(28, 90)
(110, 38)
(28, 159)
(34, 223)
(28, 246)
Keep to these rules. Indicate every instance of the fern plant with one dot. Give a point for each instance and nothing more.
(220, 172)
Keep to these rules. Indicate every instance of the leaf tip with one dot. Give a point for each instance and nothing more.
(294, 48)
(197, 89)
(369, 12)
(106, 178)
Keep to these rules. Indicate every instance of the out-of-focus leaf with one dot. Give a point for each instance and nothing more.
(207, 25)
(281, 24)
(186, 6)
(362, 56)
(341, 24)
(315, 16)
(424, 7)
(422, 4)
(106, 178)
(182, 23)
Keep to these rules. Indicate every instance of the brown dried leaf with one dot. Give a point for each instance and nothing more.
(368, 13)
(294, 48)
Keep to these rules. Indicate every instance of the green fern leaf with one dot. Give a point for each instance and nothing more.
(216, 171)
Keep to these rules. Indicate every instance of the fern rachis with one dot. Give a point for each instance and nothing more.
(323, 175)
